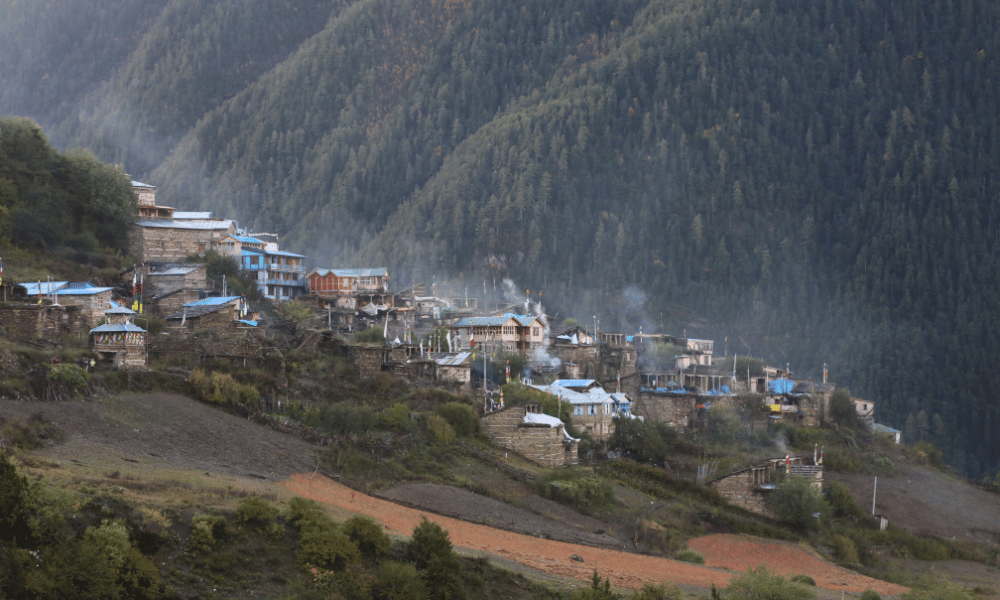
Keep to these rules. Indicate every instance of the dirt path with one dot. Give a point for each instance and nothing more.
(624, 570)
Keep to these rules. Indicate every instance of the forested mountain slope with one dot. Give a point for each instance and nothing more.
(816, 180)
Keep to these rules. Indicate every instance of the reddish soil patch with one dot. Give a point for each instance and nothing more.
(740, 553)
(624, 570)
(926, 501)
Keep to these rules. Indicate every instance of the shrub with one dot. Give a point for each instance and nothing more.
(803, 579)
(657, 592)
(221, 388)
(203, 530)
(139, 579)
(326, 546)
(111, 540)
(842, 502)
(370, 538)
(843, 411)
(396, 417)
(761, 584)
(71, 375)
(845, 550)
(15, 505)
(439, 430)
(372, 336)
(431, 551)
(255, 511)
(797, 503)
(400, 581)
(870, 594)
(581, 490)
(30, 434)
(691, 556)
(462, 418)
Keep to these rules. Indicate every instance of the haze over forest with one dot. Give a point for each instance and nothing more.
(815, 180)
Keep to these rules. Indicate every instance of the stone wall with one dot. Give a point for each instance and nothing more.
(676, 409)
(172, 303)
(239, 344)
(122, 355)
(538, 443)
(165, 244)
(372, 360)
(34, 322)
(743, 489)
(92, 307)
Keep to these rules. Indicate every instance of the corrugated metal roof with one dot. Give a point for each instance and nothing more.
(46, 287)
(879, 428)
(372, 272)
(482, 321)
(118, 328)
(213, 301)
(175, 271)
(246, 239)
(592, 396)
(451, 359)
(83, 291)
(194, 224)
(118, 309)
(542, 419)
(187, 215)
(283, 253)
(140, 184)
(575, 383)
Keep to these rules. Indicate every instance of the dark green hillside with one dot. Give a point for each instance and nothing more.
(816, 180)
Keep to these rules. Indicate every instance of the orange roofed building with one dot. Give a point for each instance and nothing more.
(348, 282)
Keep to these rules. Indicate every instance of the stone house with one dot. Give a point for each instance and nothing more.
(211, 328)
(749, 487)
(119, 342)
(90, 299)
(665, 406)
(594, 409)
(534, 435)
(173, 240)
(172, 277)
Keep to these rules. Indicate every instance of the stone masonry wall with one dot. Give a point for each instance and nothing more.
(678, 409)
(33, 321)
(741, 489)
(538, 443)
(163, 244)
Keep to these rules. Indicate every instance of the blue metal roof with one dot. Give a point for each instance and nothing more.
(283, 253)
(82, 291)
(43, 287)
(246, 239)
(213, 301)
(194, 224)
(118, 328)
(482, 321)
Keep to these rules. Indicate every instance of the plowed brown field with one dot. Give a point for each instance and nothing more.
(723, 553)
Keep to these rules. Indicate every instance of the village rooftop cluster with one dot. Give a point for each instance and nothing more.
(603, 376)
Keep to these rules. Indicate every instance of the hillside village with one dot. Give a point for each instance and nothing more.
(432, 338)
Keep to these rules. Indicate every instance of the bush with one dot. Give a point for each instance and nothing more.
(203, 531)
(870, 594)
(432, 553)
(370, 538)
(843, 411)
(842, 502)
(803, 579)
(845, 550)
(581, 490)
(396, 417)
(761, 584)
(371, 336)
(657, 592)
(462, 418)
(29, 434)
(691, 556)
(71, 375)
(255, 511)
(327, 547)
(111, 540)
(797, 503)
(400, 581)
(439, 430)
(221, 388)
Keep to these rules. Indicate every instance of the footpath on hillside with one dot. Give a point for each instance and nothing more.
(724, 554)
